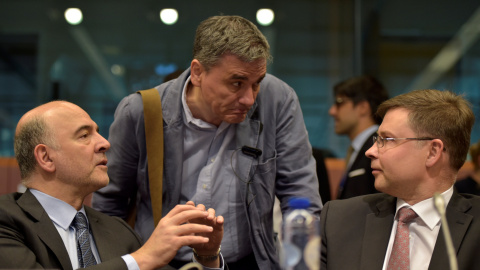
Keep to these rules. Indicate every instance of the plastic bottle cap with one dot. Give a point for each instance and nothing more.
(299, 203)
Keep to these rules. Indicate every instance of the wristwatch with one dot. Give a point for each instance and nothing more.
(206, 257)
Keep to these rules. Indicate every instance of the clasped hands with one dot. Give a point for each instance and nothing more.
(184, 225)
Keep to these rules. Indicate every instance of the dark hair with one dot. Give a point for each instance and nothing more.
(363, 88)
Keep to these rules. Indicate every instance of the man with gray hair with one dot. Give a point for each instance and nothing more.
(61, 156)
(234, 139)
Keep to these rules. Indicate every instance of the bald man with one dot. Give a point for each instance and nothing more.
(62, 159)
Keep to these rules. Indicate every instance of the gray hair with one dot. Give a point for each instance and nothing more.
(219, 35)
(34, 132)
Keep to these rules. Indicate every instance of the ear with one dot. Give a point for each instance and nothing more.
(44, 161)
(196, 72)
(435, 153)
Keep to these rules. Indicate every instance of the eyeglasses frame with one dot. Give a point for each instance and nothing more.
(381, 140)
(339, 101)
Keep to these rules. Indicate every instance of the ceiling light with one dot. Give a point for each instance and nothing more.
(265, 16)
(73, 16)
(169, 16)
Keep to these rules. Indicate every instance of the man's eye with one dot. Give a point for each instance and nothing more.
(237, 84)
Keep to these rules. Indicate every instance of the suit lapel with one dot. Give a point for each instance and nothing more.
(458, 223)
(103, 236)
(360, 163)
(45, 229)
(378, 228)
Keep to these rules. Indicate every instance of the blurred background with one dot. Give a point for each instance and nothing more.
(115, 47)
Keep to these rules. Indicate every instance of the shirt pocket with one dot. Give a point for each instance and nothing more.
(264, 175)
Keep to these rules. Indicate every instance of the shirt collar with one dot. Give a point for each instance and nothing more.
(426, 209)
(361, 138)
(59, 211)
(189, 119)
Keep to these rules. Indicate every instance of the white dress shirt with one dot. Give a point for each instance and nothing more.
(423, 231)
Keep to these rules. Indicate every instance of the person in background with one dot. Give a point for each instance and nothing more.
(322, 174)
(356, 101)
(62, 159)
(420, 146)
(471, 184)
(234, 139)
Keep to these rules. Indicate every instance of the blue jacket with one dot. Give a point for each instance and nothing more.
(274, 124)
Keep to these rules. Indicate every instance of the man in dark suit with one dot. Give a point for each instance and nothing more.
(421, 145)
(62, 159)
(356, 100)
(322, 174)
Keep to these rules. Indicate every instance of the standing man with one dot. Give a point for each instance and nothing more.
(356, 101)
(216, 116)
(421, 145)
(62, 159)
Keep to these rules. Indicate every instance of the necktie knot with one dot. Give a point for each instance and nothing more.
(80, 221)
(406, 215)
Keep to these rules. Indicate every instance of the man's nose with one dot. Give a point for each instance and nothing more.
(248, 97)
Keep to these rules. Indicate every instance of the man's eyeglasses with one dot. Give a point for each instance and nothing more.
(339, 101)
(381, 141)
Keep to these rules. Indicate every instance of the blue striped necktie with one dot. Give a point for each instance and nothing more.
(84, 251)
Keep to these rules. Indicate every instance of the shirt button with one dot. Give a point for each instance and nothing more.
(204, 186)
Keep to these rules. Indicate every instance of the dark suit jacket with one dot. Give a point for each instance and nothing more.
(468, 185)
(360, 180)
(322, 174)
(28, 238)
(355, 232)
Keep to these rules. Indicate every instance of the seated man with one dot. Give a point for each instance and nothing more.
(62, 159)
(420, 146)
(471, 183)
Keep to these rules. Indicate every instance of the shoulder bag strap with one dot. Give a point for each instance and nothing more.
(152, 110)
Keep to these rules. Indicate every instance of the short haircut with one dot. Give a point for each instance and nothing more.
(363, 88)
(220, 35)
(32, 133)
(439, 114)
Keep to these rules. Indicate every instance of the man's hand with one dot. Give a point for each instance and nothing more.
(172, 232)
(211, 247)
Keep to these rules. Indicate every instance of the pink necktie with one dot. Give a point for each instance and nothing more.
(400, 256)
